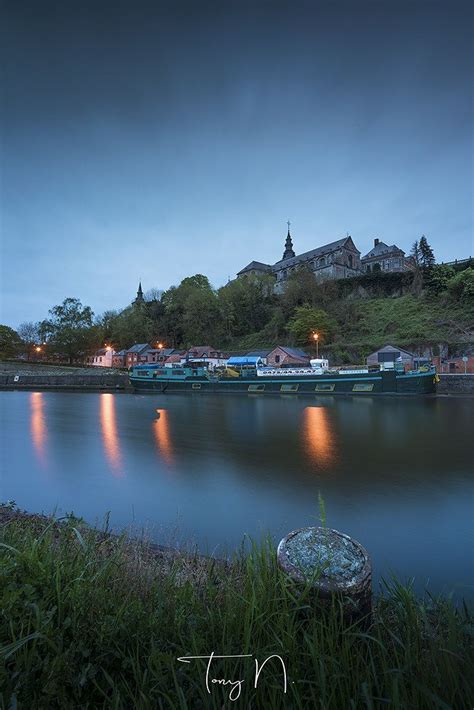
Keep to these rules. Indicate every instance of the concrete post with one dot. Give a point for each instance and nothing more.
(333, 564)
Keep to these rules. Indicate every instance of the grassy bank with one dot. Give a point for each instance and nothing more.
(93, 621)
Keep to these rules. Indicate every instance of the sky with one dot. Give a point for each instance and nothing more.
(157, 140)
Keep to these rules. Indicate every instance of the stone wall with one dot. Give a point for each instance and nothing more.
(69, 381)
(456, 384)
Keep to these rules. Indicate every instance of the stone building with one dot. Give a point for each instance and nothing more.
(337, 260)
(386, 258)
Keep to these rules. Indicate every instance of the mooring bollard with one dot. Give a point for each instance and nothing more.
(333, 564)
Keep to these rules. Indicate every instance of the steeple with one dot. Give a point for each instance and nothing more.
(288, 253)
(139, 299)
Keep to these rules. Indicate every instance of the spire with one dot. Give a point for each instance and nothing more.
(139, 298)
(288, 253)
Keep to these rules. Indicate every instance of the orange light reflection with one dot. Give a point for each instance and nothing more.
(110, 436)
(161, 430)
(318, 437)
(38, 425)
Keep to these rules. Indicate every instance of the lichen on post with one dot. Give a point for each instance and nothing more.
(333, 564)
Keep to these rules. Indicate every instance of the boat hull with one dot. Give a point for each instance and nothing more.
(389, 382)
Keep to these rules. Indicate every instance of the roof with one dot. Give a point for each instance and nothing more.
(138, 348)
(201, 351)
(259, 353)
(163, 351)
(381, 248)
(176, 357)
(257, 265)
(121, 352)
(319, 251)
(244, 360)
(294, 352)
(391, 348)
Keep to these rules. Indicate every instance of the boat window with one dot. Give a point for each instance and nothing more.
(325, 387)
(144, 373)
(363, 387)
(196, 385)
(289, 388)
(177, 372)
(256, 388)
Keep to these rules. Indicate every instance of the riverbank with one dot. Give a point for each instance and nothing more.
(98, 621)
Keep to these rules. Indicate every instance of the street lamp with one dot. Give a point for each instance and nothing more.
(316, 339)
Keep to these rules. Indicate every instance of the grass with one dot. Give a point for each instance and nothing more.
(92, 621)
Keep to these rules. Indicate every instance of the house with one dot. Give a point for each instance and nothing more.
(118, 359)
(282, 356)
(156, 355)
(174, 359)
(336, 260)
(385, 259)
(101, 358)
(205, 354)
(133, 354)
(388, 355)
(457, 365)
(262, 354)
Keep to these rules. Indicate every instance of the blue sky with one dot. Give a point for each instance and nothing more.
(158, 140)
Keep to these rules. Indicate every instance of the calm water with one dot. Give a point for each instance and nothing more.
(396, 474)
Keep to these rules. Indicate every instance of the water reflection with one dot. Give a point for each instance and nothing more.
(161, 430)
(38, 425)
(318, 437)
(110, 436)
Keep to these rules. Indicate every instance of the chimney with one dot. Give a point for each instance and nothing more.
(376, 241)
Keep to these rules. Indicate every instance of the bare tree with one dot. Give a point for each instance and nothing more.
(29, 334)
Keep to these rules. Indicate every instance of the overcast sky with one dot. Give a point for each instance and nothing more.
(162, 139)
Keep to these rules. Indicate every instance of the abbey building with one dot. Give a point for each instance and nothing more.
(337, 260)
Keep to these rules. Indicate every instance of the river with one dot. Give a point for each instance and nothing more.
(395, 473)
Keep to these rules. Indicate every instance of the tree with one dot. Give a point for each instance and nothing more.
(416, 253)
(29, 334)
(439, 277)
(461, 286)
(427, 257)
(10, 342)
(307, 321)
(69, 328)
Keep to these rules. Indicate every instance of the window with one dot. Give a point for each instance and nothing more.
(289, 388)
(196, 385)
(388, 357)
(177, 372)
(363, 387)
(350, 260)
(277, 358)
(256, 388)
(325, 387)
(321, 261)
(144, 373)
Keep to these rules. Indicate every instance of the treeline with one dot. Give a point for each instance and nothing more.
(246, 313)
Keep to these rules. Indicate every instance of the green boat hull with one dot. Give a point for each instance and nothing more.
(388, 382)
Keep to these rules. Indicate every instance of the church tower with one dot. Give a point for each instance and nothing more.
(139, 299)
(288, 253)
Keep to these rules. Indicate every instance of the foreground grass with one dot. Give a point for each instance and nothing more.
(91, 621)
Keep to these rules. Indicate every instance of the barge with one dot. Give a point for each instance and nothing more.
(296, 380)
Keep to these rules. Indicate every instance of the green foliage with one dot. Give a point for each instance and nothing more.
(438, 277)
(461, 286)
(427, 258)
(306, 321)
(10, 342)
(69, 328)
(88, 622)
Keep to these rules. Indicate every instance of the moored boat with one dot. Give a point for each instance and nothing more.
(297, 380)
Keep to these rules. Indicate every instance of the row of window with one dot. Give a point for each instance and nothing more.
(320, 387)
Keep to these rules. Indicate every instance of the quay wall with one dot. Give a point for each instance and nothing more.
(456, 384)
(66, 382)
